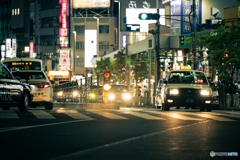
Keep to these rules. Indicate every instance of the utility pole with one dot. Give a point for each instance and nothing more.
(149, 77)
(194, 33)
(127, 63)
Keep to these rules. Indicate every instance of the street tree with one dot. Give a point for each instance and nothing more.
(224, 49)
(119, 67)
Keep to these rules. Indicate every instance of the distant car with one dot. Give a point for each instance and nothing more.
(186, 87)
(120, 94)
(40, 85)
(13, 92)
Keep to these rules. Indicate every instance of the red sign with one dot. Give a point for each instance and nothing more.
(64, 67)
(179, 53)
(31, 49)
(64, 25)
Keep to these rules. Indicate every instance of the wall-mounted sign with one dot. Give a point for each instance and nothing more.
(31, 49)
(180, 55)
(64, 60)
(124, 40)
(91, 3)
(64, 23)
(8, 48)
(3, 51)
(14, 47)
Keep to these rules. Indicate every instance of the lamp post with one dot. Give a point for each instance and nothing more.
(97, 35)
(74, 54)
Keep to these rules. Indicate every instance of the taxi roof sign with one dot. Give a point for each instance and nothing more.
(186, 67)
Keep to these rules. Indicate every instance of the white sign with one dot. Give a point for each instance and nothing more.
(180, 55)
(8, 48)
(90, 46)
(14, 48)
(3, 51)
(91, 3)
(64, 60)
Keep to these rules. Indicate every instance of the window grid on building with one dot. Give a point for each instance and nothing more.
(80, 62)
(80, 45)
(79, 29)
(103, 28)
(103, 45)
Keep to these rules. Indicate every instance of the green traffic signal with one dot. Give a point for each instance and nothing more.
(143, 16)
(149, 16)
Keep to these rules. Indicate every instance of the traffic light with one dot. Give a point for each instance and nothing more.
(149, 16)
(106, 80)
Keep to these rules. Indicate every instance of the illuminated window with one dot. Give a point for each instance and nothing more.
(80, 29)
(18, 11)
(13, 12)
(104, 45)
(79, 45)
(103, 28)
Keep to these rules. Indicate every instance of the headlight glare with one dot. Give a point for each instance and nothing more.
(75, 93)
(111, 96)
(92, 95)
(205, 92)
(126, 96)
(174, 91)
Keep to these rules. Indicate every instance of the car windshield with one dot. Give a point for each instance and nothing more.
(187, 77)
(4, 73)
(31, 75)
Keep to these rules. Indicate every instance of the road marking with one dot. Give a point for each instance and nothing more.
(41, 125)
(217, 118)
(40, 114)
(141, 115)
(106, 114)
(8, 114)
(72, 113)
(88, 151)
(174, 115)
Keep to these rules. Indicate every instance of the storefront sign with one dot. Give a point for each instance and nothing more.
(64, 60)
(14, 47)
(8, 48)
(64, 23)
(91, 3)
(31, 49)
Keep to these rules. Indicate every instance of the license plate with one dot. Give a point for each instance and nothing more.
(189, 100)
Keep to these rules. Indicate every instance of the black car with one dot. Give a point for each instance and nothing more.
(13, 92)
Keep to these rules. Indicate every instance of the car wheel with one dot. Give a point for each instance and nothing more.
(5, 108)
(202, 108)
(178, 107)
(209, 108)
(49, 106)
(186, 107)
(24, 103)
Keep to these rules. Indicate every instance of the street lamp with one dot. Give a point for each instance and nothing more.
(74, 56)
(97, 35)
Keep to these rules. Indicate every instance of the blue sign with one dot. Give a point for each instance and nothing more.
(185, 11)
(124, 40)
(53, 64)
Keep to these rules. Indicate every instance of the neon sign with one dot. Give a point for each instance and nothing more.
(64, 25)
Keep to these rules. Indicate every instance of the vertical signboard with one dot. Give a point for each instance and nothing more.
(31, 49)
(64, 23)
(8, 48)
(124, 40)
(14, 47)
(3, 52)
(90, 46)
(176, 10)
(64, 60)
(186, 9)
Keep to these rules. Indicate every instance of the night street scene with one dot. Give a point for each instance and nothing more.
(119, 79)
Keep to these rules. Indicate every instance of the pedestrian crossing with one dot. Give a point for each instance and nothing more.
(121, 114)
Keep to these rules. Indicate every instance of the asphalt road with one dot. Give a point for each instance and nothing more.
(125, 134)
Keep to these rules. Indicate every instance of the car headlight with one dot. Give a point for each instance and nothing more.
(126, 96)
(111, 96)
(173, 91)
(205, 92)
(92, 95)
(60, 93)
(75, 93)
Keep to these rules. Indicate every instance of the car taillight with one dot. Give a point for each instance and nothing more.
(44, 85)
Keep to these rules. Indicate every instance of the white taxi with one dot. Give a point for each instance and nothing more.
(40, 85)
(189, 88)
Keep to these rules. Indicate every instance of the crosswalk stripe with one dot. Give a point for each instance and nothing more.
(8, 114)
(174, 115)
(106, 114)
(40, 114)
(141, 115)
(78, 116)
(217, 118)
